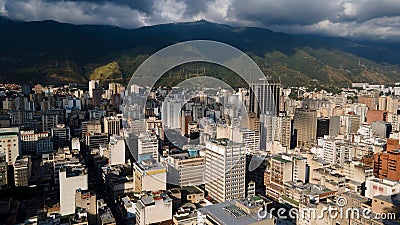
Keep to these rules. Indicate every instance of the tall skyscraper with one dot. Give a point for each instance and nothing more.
(225, 170)
(265, 97)
(93, 84)
(305, 122)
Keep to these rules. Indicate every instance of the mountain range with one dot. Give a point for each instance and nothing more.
(50, 52)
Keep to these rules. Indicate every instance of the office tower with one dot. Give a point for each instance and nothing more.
(112, 125)
(116, 146)
(49, 120)
(322, 127)
(149, 175)
(334, 126)
(97, 97)
(186, 169)
(245, 136)
(22, 171)
(381, 129)
(93, 84)
(267, 130)
(225, 170)
(283, 169)
(71, 179)
(265, 97)
(91, 127)
(35, 143)
(186, 117)
(61, 136)
(171, 112)
(387, 165)
(95, 140)
(10, 144)
(154, 208)
(115, 88)
(144, 146)
(351, 124)
(305, 123)
(329, 150)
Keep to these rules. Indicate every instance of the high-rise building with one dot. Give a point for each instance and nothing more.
(376, 115)
(322, 127)
(154, 208)
(22, 171)
(265, 97)
(10, 144)
(116, 146)
(71, 179)
(36, 143)
(61, 135)
(245, 136)
(112, 125)
(93, 84)
(149, 175)
(225, 170)
(305, 122)
(334, 125)
(147, 147)
(91, 127)
(95, 140)
(387, 165)
(186, 169)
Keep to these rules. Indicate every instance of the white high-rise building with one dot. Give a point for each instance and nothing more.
(171, 112)
(9, 144)
(225, 170)
(93, 84)
(251, 139)
(117, 150)
(71, 179)
(329, 149)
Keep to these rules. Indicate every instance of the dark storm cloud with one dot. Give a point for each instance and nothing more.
(349, 18)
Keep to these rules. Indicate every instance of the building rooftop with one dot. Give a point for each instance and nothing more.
(229, 213)
(394, 199)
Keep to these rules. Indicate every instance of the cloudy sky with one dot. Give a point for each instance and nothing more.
(365, 19)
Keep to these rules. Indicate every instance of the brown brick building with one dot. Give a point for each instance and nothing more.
(387, 165)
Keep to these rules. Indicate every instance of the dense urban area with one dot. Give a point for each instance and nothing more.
(115, 154)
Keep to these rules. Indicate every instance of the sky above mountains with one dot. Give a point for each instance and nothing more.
(360, 19)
